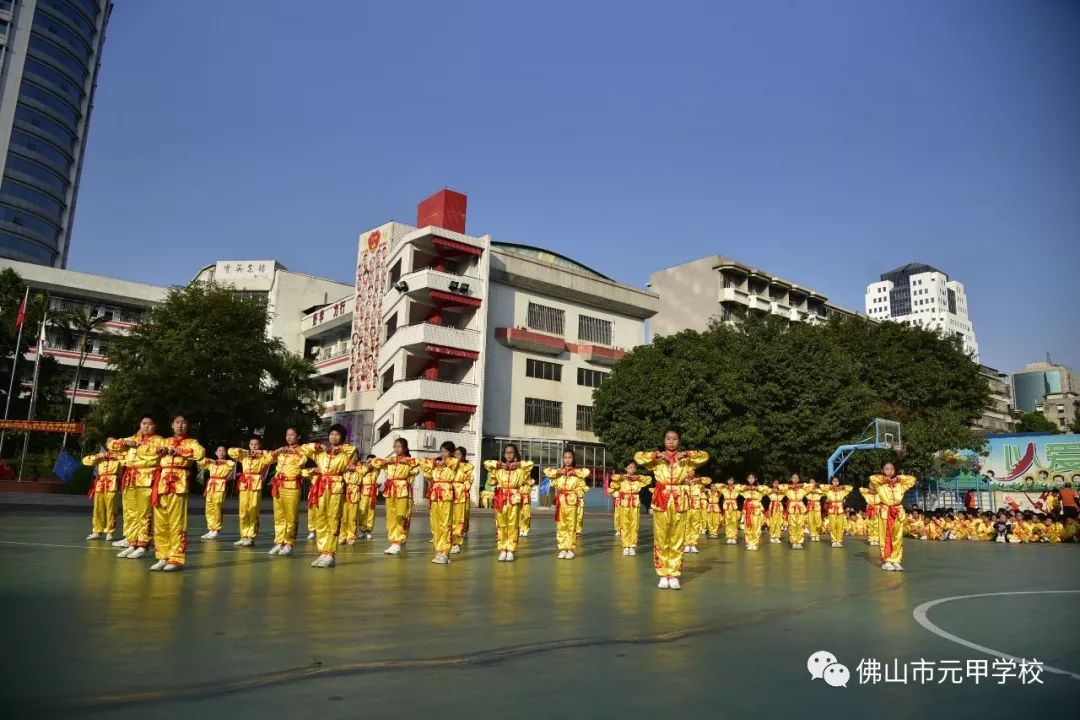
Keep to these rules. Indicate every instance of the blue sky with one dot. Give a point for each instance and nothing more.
(823, 142)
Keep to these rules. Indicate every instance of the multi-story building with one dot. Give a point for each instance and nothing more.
(119, 302)
(696, 293)
(999, 416)
(50, 53)
(1049, 388)
(922, 296)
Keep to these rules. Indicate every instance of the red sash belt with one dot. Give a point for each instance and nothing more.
(279, 481)
(796, 506)
(130, 476)
(214, 485)
(371, 490)
(730, 504)
(441, 491)
(776, 507)
(871, 512)
(891, 514)
(750, 508)
(100, 484)
(246, 481)
(562, 493)
(171, 476)
(390, 488)
(834, 507)
(502, 497)
(814, 506)
(319, 487)
(665, 494)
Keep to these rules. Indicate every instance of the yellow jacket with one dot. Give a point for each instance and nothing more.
(569, 485)
(109, 465)
(730, 496)
(176, 457)
(220, 470)
(443, 476)
(253, 467)
(891, 492)
(400, 471)
(752, 498)
(138, 469)
(795, 494)
(626, 490)
(834, 498)
(464, 482)
(671, 472)
(509, 483)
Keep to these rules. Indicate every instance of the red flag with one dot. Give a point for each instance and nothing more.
(21, 317)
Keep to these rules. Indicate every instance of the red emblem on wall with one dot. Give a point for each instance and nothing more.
(373, 240)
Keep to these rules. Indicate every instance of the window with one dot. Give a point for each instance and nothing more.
(64, 9)
(45, 177)
(590, 378)
(47, 25)
(61, 107)
(60, 133)
(543, 370)
(26, 250)
(28, 221)
(546, 319)
(45, 149)
(584, 418)
(595, 330)
(76, 69)
(543, 413)
(31, 196)
(46, 73)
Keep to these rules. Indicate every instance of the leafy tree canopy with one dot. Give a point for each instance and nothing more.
(1036, 422)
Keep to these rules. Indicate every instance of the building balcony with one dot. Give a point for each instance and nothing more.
(435, 286)
(600, 354)
(423, 441)
(734, 295)
(338, 361)
(429, 339)
(530, 341)
(433, 395)
(71, 358)
(329, 317)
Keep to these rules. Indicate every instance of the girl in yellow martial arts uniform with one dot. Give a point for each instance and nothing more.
(873, 524)
(400, 468)
(442, 473)
(915, 525)
(136, 484)
(350, 504)
(525, 521)
(813, 511)
(285, 489)
(568, 482)
(672, 467)
(254, 462)
(753, 510)
(857, 522)
(169, 496)
(696, 514)
(714, 511)
(220, 469)
(103, 491)
(369, 499)
(730, 493)
(508, 479)
(327, 490)
(627, 492)
(890, 489)
(463, 485)
(835, 495)
(774, 515)
(795, 491)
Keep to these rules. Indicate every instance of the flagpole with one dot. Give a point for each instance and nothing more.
(21, 319)
(33, 391)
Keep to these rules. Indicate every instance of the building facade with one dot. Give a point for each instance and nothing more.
(694, 294)
(923, 296)
(50, 54)
(1048, 388)
(1000, 416)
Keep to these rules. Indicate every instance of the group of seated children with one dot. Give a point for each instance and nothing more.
(1006, 526)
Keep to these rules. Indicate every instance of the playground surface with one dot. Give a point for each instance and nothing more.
(243, 634)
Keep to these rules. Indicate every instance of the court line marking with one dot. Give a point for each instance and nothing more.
(920, 614)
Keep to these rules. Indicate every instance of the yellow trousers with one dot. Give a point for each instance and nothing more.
(325, 517)
(669, 539)
(731, 524)
(618, 517)
(458, 513)
(103, 512)
(366, 514)
(695, 525)
(398, 519)
(631, 522)
(775, 521)
(566, 527)
(874, 528)
(836, 527)
(350, 517)
(579, 524)
(712, 522)
(440, 515)
(752, 534)
(286, 516)
(170, 528)
(525, 515)
(814, 523)
(892, 539)
(137, 515)
(796, 522)
(214, 501)
(507, 527)
(468, 515)
(249, 513)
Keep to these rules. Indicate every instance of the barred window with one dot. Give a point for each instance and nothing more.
(590, 378)
(544, 413)
(594, 330)
(546, 319)
(543, 370)
(584, 418)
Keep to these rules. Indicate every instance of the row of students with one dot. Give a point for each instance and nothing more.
(1005, 526)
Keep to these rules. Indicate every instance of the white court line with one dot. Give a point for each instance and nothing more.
(77, 547)
(920, 617)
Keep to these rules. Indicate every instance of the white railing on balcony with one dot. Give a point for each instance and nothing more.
(429, 279)
(416, 390)
(419, 334)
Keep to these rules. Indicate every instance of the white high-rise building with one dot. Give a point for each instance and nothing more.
(923, 296)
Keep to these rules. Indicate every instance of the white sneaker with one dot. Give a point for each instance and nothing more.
(502, 556)
(206, 535)
(523, 533)
(285, 550)
(674, 583)
(886, 566)
(897, 567)
(693, 549)
(569, 554)
(137, 553)
(664, 583)
(731, 541)
(626, 551)
(632, 551)
(125, 552)
(93, 536)
(751, 547)
(275, 550)
(394, 549)
(618, 533)
(509, 556)
(311, 536)
(241, 542)
(873, 543)
(122, 542)
(109, 536)
(797, 546)
(367, 536)
(158, 565)
(815, 538)
(172, 567)
(562, 554)
(455, 550)
(317, 562)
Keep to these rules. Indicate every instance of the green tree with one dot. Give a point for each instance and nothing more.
(1036, 422)
(78, 324)
(205, 353)
(1075, 426)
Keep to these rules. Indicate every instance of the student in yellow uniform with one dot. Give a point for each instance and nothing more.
(730, 493)
(525, 521)
(177, 456)
(220, 469)
(813, 511)
(795, 491)
(1052, 530)
(873, 525)
(915, 525)
(1070, 529)
(442, 474)
(327, 490)
(350, 504)
(774, 514)
(753, 511)
(714, 511)
(935, 527)
(616, 508)
(400, 468)
(509, 480)
(254, 462)
(672, 468)
(580, 525)
(858, 524)
(136, 484)
(107, 466)
(695, 527)
(890, 489)
(627, 491)
(369, 500)
(984, 528)
(462, 509)
(835, 494)
(285, 490)
(568, 482)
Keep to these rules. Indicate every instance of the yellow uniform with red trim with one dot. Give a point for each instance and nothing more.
(834, 510)
(627, 493)
(214, 492)
(509, 484)
(729, 495)
(103, 489)
(873, 519)
(671, 501)
(813, 511)
(774, 516)
(891, 494)
(714, 511)
(398, 493)
(327, 491)
(525, 521)
(796, 510)
(459, 522)
(753, 512)
(136, 484)
(696, 514)
(570, 488)
(286, 488)
(169, 496)
(253, 467)
(442, 476)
